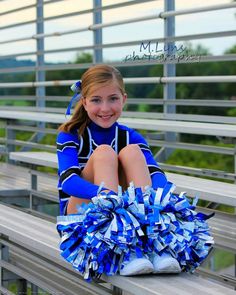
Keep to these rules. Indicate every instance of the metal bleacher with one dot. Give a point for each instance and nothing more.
(30, 259)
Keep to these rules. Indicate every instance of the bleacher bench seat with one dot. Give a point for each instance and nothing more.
(38, 236)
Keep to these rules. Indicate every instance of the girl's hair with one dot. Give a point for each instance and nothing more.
(93, 78)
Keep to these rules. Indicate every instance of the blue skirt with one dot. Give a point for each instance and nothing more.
(103, 234)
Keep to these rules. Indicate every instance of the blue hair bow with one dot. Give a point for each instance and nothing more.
(76, 88)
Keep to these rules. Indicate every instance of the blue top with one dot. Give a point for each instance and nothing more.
(73, 152)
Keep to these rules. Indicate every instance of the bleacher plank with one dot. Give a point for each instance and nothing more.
(223, 229)
(40, 236)
(13, 177)
(181, 126)
(35, 158)
(33, 116)
(210, 190)
(205, 189)
(49, 277)
(202, 128)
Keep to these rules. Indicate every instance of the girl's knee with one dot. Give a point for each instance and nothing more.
(105, 152)
(131, 151)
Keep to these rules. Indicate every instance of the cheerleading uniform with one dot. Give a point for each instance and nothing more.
(104, 234)
(73, 152)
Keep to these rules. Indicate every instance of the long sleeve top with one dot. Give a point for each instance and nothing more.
(73, 152)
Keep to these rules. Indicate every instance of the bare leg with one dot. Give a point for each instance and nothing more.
(134, 166)
(105, 167)
(102, 166)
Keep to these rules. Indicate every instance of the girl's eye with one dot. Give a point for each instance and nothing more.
(95, 100)
(114, 98)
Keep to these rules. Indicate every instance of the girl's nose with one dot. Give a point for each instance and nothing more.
(105, 106)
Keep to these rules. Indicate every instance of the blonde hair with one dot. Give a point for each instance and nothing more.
(92, 79)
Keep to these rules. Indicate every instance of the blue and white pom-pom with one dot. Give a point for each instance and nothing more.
(172, 225)
(102, 235)
(95, 239)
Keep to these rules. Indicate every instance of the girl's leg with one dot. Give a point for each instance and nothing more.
(134, 166)
(101, 166)
(135, 169)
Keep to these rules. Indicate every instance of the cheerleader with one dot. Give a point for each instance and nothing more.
(118, 212)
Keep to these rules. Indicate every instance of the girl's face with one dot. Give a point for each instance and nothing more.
(104, 104)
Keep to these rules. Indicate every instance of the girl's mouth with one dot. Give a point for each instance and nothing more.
(105, 117)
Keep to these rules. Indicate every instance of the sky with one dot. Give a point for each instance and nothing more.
(205, 22)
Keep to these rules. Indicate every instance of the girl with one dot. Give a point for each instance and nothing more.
(93, 148)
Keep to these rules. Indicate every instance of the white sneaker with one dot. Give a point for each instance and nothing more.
(136, 266)
(165, 264)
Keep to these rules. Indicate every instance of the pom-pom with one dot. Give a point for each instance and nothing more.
(172, 225)
(104, 232)
(95, 239)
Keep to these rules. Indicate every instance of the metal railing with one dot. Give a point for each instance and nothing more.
(168, 81)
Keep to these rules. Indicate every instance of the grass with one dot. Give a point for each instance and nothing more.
(200, 159)
(13, 288)
(221, 259)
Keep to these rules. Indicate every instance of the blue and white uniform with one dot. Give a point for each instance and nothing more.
(73, 152)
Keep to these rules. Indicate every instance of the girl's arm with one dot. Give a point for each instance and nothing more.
(69, 168)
